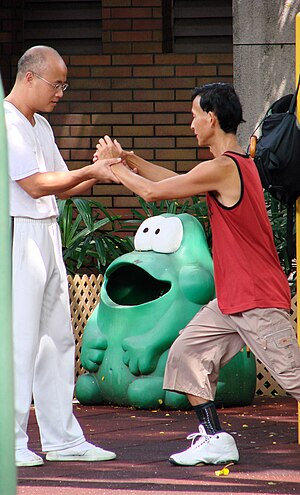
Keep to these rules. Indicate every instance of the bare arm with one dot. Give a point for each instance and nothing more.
(80, 189)
(66, 184)
(108, 149)
(147, 169)
(154, 183)
(219, 175)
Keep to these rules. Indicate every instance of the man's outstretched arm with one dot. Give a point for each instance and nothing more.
(106, 148)
(66, 184)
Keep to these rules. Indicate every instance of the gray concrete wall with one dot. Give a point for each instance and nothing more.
(263, 54)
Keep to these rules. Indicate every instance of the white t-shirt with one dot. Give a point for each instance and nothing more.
(31, 149)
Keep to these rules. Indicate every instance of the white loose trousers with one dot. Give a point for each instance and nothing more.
(42, 336)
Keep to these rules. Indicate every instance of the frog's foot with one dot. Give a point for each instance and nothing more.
(87, 389)
(173, 400)
(147, 393)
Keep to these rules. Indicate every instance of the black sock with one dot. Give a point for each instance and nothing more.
(208, 417)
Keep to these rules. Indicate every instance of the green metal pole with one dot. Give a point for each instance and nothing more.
(7, 440)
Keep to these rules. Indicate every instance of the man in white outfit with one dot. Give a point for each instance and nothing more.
(42, 332)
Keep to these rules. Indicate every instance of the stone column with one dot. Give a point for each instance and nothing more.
(263, 56)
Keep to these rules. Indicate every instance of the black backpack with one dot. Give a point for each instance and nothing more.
(277, 157)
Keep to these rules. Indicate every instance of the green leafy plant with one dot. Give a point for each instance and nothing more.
(89, 241)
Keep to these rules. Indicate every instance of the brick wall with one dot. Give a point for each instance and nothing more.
(132, 91)
(10, 40)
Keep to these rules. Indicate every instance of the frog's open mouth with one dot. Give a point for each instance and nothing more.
(130, 285)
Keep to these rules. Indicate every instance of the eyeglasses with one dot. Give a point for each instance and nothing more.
(57, 86)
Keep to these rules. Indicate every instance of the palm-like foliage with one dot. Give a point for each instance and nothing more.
(88, 240)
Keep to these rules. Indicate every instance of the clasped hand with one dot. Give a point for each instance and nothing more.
(105, 153)
(106, 148)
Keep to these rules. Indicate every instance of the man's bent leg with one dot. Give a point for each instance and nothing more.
(193, 366)
(208, 342)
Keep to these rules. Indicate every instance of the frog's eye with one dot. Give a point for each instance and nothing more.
(168, 235)
(142, 239)
(160, 234)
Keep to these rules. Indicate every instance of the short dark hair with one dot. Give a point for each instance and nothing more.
(222, 100)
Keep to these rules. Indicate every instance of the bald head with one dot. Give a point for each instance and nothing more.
(37, 59)
(40, 81)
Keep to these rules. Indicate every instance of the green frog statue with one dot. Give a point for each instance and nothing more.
(147, 297)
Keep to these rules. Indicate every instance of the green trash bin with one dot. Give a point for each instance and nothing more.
(146, 298)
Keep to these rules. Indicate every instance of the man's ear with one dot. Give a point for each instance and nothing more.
(29, 76)
(213, 118)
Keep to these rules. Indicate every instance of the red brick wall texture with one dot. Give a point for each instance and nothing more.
(132, 91)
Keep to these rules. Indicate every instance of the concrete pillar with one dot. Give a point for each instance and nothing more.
(263, 55)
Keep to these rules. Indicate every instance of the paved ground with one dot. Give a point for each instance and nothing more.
(266, 433)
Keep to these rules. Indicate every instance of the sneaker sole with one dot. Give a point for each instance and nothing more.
(202, 463)
(30, 464)
(80, 458)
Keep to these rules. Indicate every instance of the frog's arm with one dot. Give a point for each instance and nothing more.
(141, 353)
(94, 344)
(197, 284)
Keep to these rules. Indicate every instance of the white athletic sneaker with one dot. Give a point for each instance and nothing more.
(27, 458)
(219, 448)
(83, 452)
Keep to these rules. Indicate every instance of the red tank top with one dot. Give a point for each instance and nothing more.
(247, 270)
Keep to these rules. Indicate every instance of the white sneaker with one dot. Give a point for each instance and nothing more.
(25, 457)
(219, 448)
(83, 452)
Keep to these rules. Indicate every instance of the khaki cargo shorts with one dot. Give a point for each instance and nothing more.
(211, 339)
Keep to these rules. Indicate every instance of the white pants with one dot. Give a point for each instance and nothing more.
(42, 336)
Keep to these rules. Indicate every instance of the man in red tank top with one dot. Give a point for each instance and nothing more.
(253, 296)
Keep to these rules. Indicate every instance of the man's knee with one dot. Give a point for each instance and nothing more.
(176, 351)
